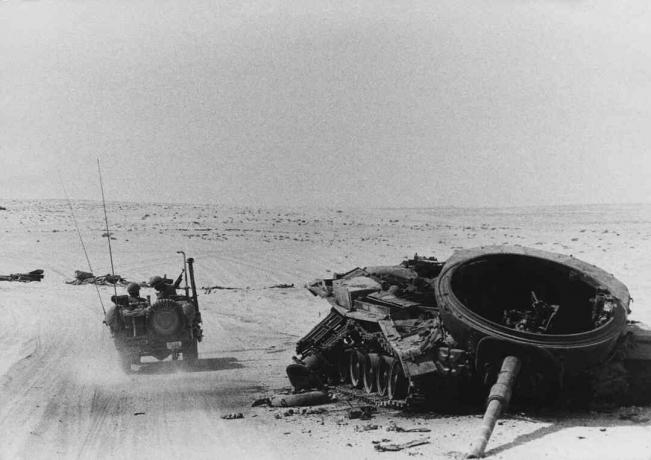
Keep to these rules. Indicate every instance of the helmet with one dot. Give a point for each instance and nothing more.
(133, 289)
(155, 281)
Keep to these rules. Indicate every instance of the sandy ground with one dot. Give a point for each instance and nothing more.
(63, 396)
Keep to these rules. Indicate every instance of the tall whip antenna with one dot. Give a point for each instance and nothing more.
(81, 240)
(108, 233)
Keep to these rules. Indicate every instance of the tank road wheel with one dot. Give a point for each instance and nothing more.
(382, 375)
(337, 368)
(370, 367)
(398, 383)
(342, 368)
(355, 368)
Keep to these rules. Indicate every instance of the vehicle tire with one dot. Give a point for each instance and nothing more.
(370, 367)
(383, 374)
(191, 352)
(126, 359)
(398, 383)
(166, 318)
(355, 368)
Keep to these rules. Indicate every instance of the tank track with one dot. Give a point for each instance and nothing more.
(335, 338)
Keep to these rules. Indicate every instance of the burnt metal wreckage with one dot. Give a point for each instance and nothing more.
(34, 275)
(501, 321)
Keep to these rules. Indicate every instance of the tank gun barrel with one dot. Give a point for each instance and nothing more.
(498, 399)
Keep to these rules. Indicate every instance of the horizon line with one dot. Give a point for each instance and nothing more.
(321, 206)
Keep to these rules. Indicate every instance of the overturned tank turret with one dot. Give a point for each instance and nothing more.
(431, 333)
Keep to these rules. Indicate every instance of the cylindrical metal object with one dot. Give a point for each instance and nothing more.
(190, 262)
(498, 399)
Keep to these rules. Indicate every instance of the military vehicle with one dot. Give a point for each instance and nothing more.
(544, 327)
(168, 326)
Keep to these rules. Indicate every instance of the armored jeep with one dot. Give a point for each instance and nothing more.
(168, 326)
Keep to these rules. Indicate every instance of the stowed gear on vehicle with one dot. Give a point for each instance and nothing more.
(169, 326)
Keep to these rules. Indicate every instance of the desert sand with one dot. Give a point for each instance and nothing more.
(62, 394)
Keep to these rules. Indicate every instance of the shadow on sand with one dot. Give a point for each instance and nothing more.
(570, 421)
(200, 365)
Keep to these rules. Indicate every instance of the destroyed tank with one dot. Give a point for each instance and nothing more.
(168, 326)
(438, 334)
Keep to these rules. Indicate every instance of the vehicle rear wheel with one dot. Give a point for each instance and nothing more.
(355, 368)
(382, 375)
(370, 367)
(191, 352)
(398, 383)
(126, 359)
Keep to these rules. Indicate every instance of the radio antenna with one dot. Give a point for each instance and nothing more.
(108, 233)
(81, 240)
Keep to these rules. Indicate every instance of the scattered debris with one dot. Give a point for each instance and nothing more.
(233, 416)
(208, 290)
(317, 411)
(397, 447)
(34, 275)
(309, 398)
(290, 412)
(362, 412)
(369, 427)
(261, 402)
(82, 277)
(634, 414)
(399, 429)
(108, 235)
(217, 287)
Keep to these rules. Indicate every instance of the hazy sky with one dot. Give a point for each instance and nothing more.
(382, 103)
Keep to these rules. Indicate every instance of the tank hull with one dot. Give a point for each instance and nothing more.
(434, 332)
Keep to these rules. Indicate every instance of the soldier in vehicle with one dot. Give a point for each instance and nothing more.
(135, 300)
(167, 290)
(163, 289)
